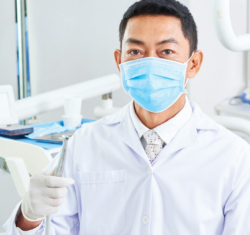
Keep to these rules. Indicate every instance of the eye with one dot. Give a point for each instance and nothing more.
(135, 52)
(167, 52)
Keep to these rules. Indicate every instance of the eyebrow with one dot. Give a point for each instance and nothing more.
(138, 42)
(169, 40)
(135, 41)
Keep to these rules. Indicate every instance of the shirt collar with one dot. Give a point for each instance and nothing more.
(139, 126)
(167, 130)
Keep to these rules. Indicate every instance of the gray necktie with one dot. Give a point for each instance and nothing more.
(154, 144)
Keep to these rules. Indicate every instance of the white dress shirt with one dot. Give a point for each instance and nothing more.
(167, 130)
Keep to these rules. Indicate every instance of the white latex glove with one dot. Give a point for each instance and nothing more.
(44, 196)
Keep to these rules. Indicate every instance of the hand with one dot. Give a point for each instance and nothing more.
(44, 196)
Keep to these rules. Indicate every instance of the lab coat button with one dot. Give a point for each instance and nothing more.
(145, 220)
(149, 170)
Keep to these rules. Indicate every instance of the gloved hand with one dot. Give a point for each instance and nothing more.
(44, 196)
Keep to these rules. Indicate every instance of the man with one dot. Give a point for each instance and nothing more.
(160, 165)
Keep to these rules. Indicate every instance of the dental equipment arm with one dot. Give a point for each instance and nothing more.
(51, 100)
(224, 29)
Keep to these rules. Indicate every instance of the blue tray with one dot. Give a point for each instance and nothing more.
(46, 146)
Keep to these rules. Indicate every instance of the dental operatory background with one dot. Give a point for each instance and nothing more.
(69, 42)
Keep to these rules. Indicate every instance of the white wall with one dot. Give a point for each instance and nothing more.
(8, 70)
(72, 41)
(185, 2)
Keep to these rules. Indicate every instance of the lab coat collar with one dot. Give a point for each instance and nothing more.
(117, 117)
(125, 130)
(203, 122)
(127, 133)
(185, 137)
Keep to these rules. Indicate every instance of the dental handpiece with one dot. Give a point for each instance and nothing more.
(60, 166)
(58, 173)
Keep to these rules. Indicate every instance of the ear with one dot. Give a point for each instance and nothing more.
(194, 64)
(117, 55)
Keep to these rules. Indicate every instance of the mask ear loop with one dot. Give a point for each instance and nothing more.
(187, 63)
(190, 58)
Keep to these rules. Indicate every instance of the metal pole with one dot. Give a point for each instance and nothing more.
(248, 52)
(22, 50)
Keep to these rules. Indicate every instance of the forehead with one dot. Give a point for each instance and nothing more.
(153, 27)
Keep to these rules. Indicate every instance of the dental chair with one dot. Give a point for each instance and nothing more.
(23, 160)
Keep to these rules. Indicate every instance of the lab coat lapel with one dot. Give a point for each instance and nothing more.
(185, 137)
(188, 134)
(127, 133)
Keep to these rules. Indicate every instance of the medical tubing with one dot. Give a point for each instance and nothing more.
(58, 173)
(232, 99)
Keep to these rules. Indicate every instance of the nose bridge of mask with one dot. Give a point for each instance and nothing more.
(161, 67)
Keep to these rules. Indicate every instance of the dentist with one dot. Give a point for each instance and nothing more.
(160, 166)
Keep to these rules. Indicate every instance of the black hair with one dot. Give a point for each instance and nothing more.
(163, 7)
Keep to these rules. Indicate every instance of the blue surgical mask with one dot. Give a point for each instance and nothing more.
(155, 84)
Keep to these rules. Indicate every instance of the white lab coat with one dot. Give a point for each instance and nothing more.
(199, 184)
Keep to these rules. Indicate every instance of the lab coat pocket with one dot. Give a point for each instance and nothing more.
(102, 201)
